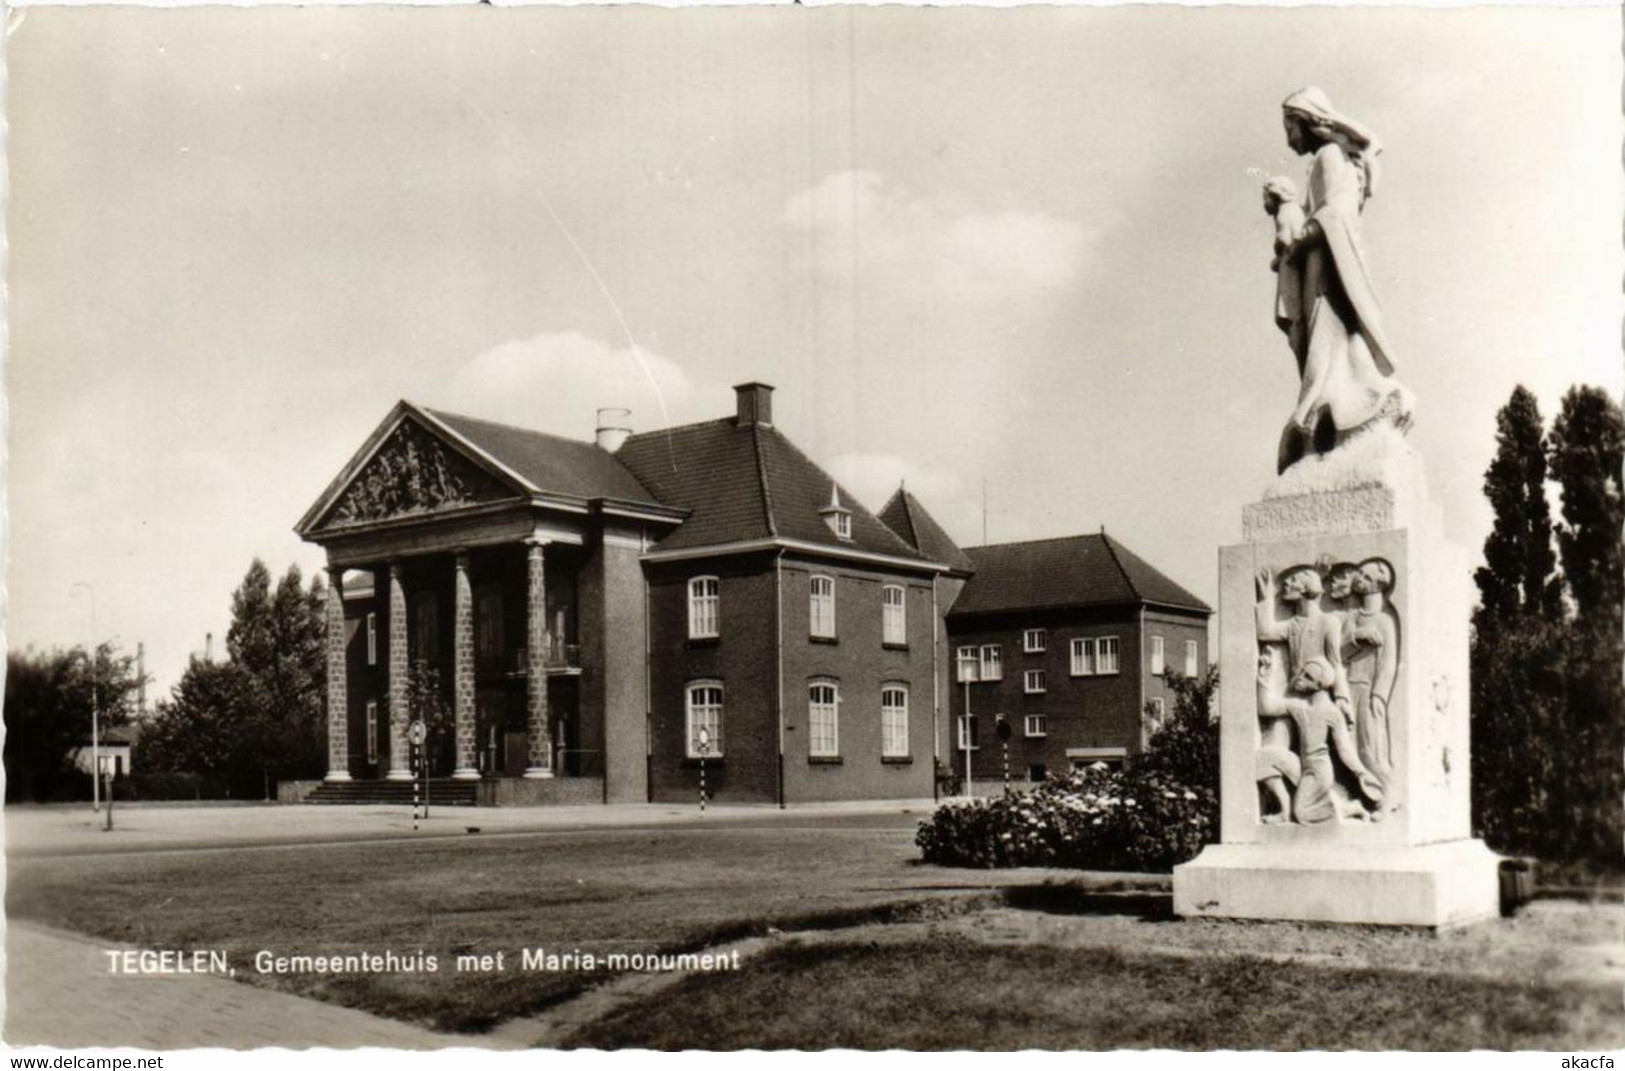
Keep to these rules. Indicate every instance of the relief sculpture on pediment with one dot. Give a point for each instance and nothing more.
(413, 472)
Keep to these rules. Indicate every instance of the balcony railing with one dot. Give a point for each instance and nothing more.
(561, 658)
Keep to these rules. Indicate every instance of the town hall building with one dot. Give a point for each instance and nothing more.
(611, 621)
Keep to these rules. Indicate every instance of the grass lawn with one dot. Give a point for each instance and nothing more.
(948, 991)
(603, 890)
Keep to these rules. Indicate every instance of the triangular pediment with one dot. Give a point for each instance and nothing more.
(411, 470)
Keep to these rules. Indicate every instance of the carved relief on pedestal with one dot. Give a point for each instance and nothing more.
(413, 472)
(1329, 647)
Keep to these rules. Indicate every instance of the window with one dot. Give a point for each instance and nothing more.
(426, 614)
(372, 730)
(1083, 657)
(894, 721)
(1037, 772)
(1032, 681)
(1157, 665)
(705, 712)
(1157, 710)
(1191, 668)
(703, 608)
(992, 667)
(372, 639)
(967, 664)
(1106, 654)
(823, 719)
(1035, 725)
(488, 615)
(843, 525)
(823, 607)
(1034, 641)
(893, 615)
(967, 733)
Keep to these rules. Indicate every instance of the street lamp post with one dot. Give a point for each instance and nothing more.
(705, 749)
(95, 715)
(970, 738)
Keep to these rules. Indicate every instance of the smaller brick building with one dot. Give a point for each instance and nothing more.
(1070, 641)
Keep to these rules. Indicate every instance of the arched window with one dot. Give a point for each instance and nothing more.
(894, 720)
(704, 712)
(704, 606)
(822, 607)
(893, 615)
(824, 719)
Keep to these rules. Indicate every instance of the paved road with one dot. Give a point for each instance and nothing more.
(40, 832)
(60, 993)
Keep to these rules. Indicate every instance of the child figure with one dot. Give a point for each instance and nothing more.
(1282, 202)
(1321, 727)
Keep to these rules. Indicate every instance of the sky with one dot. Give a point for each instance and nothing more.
(1015, 249)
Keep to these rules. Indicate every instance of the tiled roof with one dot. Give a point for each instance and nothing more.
(552, 463)
(1075, 571)
(904, 515)
(746, 482)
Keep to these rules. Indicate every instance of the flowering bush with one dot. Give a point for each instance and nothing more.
(1093, 819)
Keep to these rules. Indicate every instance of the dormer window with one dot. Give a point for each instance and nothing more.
(837, 516)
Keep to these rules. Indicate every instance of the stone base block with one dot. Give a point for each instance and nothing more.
(338, 775)
(398, 775)
(1434, 885)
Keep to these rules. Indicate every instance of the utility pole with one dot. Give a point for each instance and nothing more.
(95, 712)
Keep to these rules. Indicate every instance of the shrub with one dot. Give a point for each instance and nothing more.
(1095, 819)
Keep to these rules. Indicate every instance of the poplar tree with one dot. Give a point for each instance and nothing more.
(1519, 563)
(1587, 449)
(1518, 648)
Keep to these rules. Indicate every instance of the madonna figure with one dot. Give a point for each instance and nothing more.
(1344, 358)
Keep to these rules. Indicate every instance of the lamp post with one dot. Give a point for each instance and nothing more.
(705, 749)
(967, 673)
(95, 715)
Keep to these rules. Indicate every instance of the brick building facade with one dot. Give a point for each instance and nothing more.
(1071, 642)
(602, 618)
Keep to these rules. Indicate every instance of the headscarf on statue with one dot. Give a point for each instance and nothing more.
(1340, 220)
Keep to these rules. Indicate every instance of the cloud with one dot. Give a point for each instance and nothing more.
(556, 382)
(862, 224)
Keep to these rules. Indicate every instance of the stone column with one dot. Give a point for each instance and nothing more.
(463, 673)
(538, 743)
(400, 759)
(338, 692)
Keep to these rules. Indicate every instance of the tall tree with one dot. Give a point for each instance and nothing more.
(1518, 644)
(199, 729)
(1587, 450)
(1517, 576)
(270, 698)
(48, 702)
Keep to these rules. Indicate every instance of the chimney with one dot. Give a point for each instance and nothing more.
(755, 404)
(208, 647)
(614, 426)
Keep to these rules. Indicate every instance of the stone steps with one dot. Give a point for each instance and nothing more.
(442, 792)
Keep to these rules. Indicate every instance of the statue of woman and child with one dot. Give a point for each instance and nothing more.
(1325, 302)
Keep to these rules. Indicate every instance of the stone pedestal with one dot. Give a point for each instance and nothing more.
(1337, 854)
